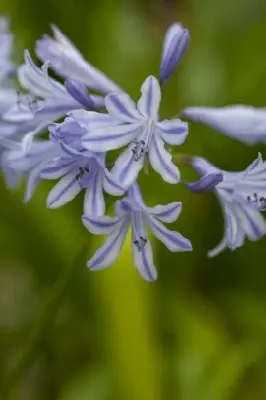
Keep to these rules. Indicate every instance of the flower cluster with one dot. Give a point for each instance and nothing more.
(87, 115)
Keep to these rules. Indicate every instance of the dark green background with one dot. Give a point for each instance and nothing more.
(199, 332)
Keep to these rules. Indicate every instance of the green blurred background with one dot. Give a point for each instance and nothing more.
(199, 332)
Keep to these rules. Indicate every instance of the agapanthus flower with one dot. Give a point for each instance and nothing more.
(64, 158)
(138, 126)
(50, 99)
(175, 45)
(242, 197)
(132, 212)
(245, 123)
(68, 62)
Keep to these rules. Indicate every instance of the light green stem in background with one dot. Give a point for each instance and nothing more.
(44, 321)
(127, 331)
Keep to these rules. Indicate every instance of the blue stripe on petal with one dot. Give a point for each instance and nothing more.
(111, 138)
(107, 254)
(101, 225)
(121, 107)
(94, 203)
(174, 241)
(111, 184)
(150, 99)
(64, 191)
(161, 161)
(166, 213)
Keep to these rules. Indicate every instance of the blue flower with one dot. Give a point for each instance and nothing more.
(68, 62)
(139, 126)
(77, 169)
(242, 197)
(245, 123)
(175, 45)
(131, 211)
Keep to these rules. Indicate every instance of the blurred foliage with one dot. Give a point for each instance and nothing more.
(199, 332)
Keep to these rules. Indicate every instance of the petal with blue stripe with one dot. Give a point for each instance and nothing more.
(121, 107)
(94, 203)
(64, 191)
(107, 254)
(127, 168)
(161, 161)
(174, 241)
(143, 261)
(166, 213)
(150, 99)
(111, 138)
(173, 131)
(101, 225)
(111, 184)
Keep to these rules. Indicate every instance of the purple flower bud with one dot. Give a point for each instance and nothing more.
(175, 44)
(206, 183)
(80, 93)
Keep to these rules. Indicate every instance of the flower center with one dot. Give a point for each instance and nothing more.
(141, 146)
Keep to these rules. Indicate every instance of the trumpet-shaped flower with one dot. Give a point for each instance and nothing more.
(245, 123)
(68, 62)
(242, 197)
(139, 126)
(131, 211)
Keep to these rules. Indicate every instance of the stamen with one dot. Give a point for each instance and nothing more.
(81, 173)
(140, 244)
(260, 202)
(139, 149)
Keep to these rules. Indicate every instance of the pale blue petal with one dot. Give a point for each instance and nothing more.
(231, 224)
(58, 168)
(166, 213)
(92, 120)
(33, 180)
(122, 108)
(150, 99)
(173, 131)
(64, 191)
(135, 192)
(19, 112)
(245, 123)
(101, 225)
(126, 168)
(94, 203)
(161, 161)
(111, 138)
(174, 241)
(107, 254)
(143, 261)
(252, 222)
(219, 248)
(36, 80)
(111, 184)
(69, 62)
